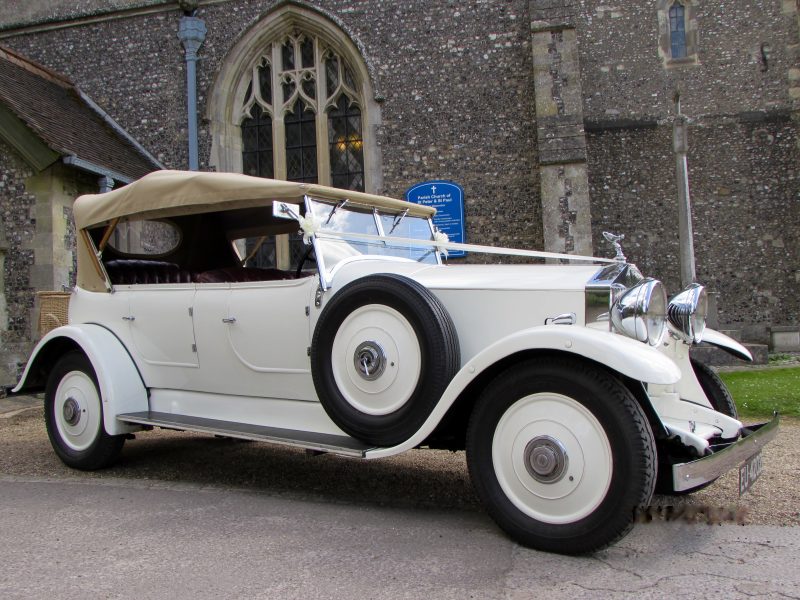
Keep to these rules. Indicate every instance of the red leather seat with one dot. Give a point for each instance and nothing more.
(131, 272)
(241, 274)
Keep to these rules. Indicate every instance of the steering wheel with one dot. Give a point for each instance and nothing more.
(303, 260)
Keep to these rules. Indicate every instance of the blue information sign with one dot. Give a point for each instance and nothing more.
(448, 200)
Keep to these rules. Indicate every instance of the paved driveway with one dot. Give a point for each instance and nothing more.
(116, 538)
(185, 516)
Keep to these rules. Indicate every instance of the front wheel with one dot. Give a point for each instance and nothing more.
(74, 416)
(561, 455)
(715, 389)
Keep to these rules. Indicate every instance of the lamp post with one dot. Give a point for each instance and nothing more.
(680, 146)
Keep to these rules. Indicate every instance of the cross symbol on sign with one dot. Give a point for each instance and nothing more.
(433, 189)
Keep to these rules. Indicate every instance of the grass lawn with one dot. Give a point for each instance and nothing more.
(760, 391)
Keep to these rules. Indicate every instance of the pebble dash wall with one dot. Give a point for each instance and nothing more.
(741, 96)
(457, 101)
(17, 231)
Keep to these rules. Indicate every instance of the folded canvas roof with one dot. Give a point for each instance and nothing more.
(170, 193)
(164, 194)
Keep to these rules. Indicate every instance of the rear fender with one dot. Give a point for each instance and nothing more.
(121, 386)
(630, 358)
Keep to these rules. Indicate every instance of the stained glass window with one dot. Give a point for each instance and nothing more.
(300, 93)
(301, 144)
(346, 145)
(257, 144)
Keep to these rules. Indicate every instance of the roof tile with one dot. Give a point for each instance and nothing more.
(52, 107)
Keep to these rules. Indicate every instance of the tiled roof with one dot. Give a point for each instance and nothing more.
(65, 119)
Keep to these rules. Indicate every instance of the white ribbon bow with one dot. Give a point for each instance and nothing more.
(309, 225)
(440, 237)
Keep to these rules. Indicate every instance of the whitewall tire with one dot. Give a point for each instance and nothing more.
(383, 352)
(561, 454)
(74, 415)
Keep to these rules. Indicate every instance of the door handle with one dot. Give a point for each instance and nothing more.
(128, 318)
(229, 320)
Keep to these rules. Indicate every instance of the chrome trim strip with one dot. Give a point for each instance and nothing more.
(686, 476)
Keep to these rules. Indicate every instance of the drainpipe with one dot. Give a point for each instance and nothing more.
(106, 184)
(191, 33)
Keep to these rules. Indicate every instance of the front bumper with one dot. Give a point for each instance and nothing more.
(689, 475)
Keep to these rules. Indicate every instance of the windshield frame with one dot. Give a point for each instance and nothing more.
(326, 272)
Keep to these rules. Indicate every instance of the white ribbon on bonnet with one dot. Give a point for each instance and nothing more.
(440, 237)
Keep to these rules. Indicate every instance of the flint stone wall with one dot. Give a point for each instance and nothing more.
(17, 230)
(457, 102)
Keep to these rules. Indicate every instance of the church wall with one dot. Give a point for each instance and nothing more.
(17, 231)
(747, 58)
(742, 101)
(455, 81)
(456, 97)
(37, 241)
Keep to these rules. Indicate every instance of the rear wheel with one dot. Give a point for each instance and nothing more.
(74, 415)
(561, 454)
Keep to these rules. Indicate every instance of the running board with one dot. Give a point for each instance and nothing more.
(320, 442)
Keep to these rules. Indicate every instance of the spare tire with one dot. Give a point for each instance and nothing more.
(383, 352)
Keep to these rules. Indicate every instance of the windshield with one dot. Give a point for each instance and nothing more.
(348, 218)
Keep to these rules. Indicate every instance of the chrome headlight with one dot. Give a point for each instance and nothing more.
(687, 313)
(640, 312)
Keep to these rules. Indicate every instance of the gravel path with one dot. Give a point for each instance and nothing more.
(417, 478)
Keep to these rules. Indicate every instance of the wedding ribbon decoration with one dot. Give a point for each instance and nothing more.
(440, 237)
(310, 225)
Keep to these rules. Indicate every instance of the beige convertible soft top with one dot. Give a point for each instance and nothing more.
(163, 194)
(171, 193)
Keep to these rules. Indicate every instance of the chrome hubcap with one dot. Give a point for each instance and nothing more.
(546, 459)
(72, 411)
(369, 360)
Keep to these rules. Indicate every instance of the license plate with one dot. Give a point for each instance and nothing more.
(749, 472)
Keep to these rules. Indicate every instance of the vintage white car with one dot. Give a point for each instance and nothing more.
(326, 319)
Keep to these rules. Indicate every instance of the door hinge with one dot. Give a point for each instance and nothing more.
(318, 296)
(191, 311)
(194, 348)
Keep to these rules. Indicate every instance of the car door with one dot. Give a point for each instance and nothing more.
(162, 332)
(253, 338)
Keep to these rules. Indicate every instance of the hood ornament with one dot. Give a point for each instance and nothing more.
(615, 239)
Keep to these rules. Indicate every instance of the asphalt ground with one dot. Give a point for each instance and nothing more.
(190, 515)
(111, 538)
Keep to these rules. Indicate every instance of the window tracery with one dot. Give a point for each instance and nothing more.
(300, 93)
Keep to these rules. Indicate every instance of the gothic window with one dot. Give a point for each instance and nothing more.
(300, 93)
(677, 31)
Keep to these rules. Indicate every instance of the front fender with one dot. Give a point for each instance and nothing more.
(121, 386)
(730, 345)
(621, 354)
